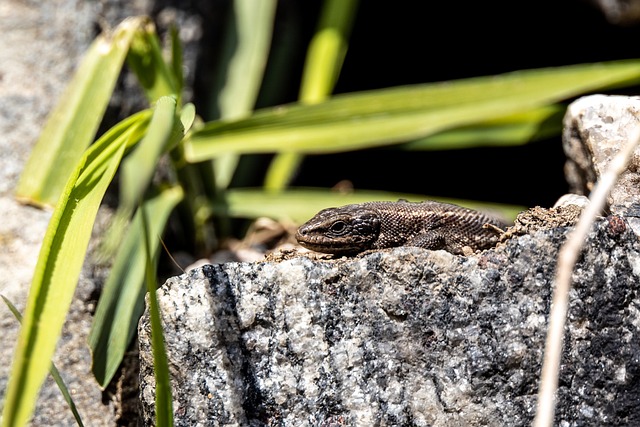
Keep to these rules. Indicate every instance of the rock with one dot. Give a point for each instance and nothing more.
(402, 337)
(619, 12)
(595, 129)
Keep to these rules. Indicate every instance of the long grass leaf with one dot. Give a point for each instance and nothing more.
(322, 67)
(327, 50)
(391, 116)
(56, 275)
(138, 167)
(145, 59)
(253, 29)
(52, 370)
(164, 403)
(300, 204)
(122, 299)
(247, 49)
(73, 123)
(516, 129)
(163, 132)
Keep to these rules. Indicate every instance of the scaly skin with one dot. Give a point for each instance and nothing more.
(352, 229)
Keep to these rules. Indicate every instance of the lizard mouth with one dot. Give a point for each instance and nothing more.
(332, 246)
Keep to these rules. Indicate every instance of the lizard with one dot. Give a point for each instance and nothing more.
(351, 229)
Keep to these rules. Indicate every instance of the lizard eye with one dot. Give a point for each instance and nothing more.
(338, 227)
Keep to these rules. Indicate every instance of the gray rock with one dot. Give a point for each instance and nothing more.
(595, 129)
(402, 337)
(619, 12)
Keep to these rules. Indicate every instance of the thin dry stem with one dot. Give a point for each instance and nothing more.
(566, 261)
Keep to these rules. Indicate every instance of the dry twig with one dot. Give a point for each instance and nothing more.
(566, 261)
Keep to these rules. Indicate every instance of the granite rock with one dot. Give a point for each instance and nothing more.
(596, 127)
(402, 337)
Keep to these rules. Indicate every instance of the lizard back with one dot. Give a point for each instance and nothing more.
(433, 225)
(377, 225)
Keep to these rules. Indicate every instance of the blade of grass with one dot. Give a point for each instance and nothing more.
(145, 59)
(138, 167)
(390, 116)
(324, 60)
(122, 301)
(521, 128)
(56, 275)
(301, 204)
(52, 370)
(73, 123)
(163, 132)
(164, 403)
(327, 50)
(247, 45)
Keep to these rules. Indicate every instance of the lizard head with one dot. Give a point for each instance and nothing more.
(346, 230)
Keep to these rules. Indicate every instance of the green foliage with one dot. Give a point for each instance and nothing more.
(396, 115)
(510, 109)
(295, 204)
(73, 123)
(324, 60)
(122, 301)
(164, 404)
(53, 371)
(246, 49)
(57, 272)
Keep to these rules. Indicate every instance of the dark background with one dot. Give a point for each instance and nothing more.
(409, 42)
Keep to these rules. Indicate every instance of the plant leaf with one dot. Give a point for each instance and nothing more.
(138, 167)
(164, 403)
(247, 45)
(323, 64)
(56, 275)
(391, 116)
(146, 61)
(516, 129)
(73, 123)
(52, 370)
(327, 50)
(122, 299)
(299, 205)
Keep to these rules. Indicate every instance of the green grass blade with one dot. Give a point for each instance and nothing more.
(73, 123)
(324, 60)
(327, 50)
(516, 129)
(390, 116)
(187, 116)
(122, 299)
(162, 133)
(164, 403)
(254, 27)
(299, 204)
(139, 166)
(56, 275)
(145, 59)
(52, 370)
(247, 45)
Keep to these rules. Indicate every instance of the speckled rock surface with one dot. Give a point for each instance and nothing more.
(595, 129)
(402, 337)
